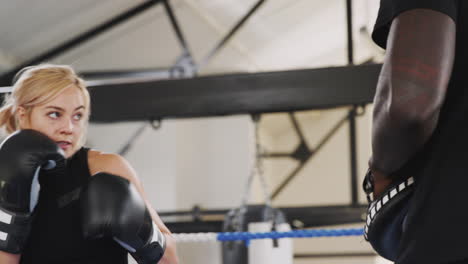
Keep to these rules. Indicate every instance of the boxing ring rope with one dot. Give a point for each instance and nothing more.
(247, 236)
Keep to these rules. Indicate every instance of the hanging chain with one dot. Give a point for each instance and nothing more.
(256, 169)
(259, 151)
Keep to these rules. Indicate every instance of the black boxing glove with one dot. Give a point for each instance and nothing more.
(112, 207)
(386, 214)
(22, 155)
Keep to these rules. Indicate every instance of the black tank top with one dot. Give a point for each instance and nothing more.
(56, 234)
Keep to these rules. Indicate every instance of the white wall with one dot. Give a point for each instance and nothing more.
(213, 158)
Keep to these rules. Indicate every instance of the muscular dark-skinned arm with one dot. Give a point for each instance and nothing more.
(411, 87)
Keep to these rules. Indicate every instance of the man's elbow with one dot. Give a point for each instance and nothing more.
(417, 114)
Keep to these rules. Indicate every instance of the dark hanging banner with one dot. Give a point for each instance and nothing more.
(234, 94)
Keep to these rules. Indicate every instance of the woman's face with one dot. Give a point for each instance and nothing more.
(63, 119)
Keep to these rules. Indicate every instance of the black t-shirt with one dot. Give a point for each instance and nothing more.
(437, 230)
(56, 234)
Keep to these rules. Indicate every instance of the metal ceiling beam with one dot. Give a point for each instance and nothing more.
(177, 30)
(346, 255)
(198, 220)
(349, 31)
(127, 75)
(353, 113)
(6, 78)
(230, 34)
(267, 92)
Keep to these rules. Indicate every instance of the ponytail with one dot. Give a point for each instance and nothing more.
(7, 118)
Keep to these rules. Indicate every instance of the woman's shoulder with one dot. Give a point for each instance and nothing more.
(112, 163)
(103, 161)
(100, 157)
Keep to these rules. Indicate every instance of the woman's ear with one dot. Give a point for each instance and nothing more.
(22, 117)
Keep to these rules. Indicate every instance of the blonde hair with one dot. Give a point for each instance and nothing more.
(37, 85)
